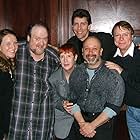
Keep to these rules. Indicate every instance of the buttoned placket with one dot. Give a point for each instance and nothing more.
(88, 84)
(32, 104)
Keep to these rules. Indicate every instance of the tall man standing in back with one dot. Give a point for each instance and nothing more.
(81, 22)
(32, 115)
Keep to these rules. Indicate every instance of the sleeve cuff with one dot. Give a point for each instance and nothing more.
(75, 108)
(110, 113)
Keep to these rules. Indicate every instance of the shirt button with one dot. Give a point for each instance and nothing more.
(87, 89)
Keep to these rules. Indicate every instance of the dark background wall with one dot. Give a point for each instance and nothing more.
(18, 14)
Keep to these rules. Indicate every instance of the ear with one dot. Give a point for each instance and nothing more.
(75, 58)
(101, 51)
(133, 36)
(89, 26)
(82, 51)
(28, 38)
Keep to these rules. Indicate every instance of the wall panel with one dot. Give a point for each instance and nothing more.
(18, 14)
(104, 13)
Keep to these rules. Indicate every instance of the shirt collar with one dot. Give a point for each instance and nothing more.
(130, 51)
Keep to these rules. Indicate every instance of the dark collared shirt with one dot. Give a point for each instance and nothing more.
(106, 89)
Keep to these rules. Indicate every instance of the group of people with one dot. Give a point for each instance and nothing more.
(73, 93)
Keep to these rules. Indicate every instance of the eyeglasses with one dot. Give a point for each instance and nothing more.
(124, 35)
(38, 39)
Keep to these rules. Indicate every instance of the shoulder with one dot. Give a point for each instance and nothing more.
(23, 46)
(79, 68)
(78, 72)
(52, 54)
(105, 38)
(104, 34)
(55, 74)
(22, 49)
(137, 51)
(113, 75)
(72, 39)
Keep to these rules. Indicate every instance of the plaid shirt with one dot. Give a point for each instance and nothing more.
(32, 116)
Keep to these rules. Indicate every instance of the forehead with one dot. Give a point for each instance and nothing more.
(78, 19)
(66, 53)
(121, 29)
(39, 31)
(9, 37)
(92, 42)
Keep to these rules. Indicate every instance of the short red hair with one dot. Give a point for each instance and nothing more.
(67, 48)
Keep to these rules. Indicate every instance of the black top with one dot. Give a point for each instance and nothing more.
(6, 94)
(131, 76)
(107, 42)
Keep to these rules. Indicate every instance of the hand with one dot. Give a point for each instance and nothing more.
(114, 66)
(67, 106)
(87, 130)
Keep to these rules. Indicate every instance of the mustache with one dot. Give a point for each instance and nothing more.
(91, 61)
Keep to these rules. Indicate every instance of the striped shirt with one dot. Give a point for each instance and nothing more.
(32, 116)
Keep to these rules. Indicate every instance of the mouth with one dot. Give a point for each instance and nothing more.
(90, 59)
(12, 52)
(79, 32)
(66, 65)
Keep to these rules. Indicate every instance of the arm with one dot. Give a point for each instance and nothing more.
(84, 126)
(131, 77)
(100, 120)
(76, 111)
(53, 87)
(112, 65)
(88, 129)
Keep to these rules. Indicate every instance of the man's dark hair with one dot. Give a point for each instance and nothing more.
(81, 13)
(29, 28)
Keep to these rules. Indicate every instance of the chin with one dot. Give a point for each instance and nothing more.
(39, 52)
(66, 68)
(80, 37)
(11, 56)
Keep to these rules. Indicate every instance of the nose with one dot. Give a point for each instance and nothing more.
(79, 26)
(91, 51)
(41, 42)
(121, 37)
(65, 59)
